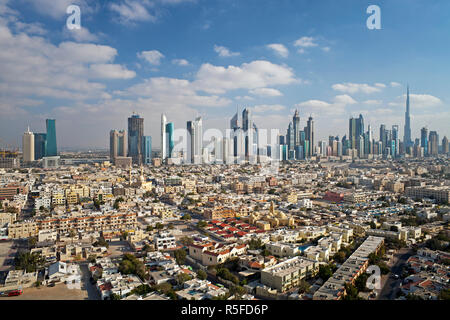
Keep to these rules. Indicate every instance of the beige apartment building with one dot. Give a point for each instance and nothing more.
(289, 273)
(104, 222)
(441, 194)
(23, 229)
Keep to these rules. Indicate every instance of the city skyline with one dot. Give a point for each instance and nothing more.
(319, 62)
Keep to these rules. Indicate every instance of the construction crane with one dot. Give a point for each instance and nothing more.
(7, 150)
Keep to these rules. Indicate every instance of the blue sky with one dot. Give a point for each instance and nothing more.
(208, 57)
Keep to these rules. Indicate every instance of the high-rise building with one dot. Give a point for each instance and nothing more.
(147, 150)
(296, 123)
(290, 136)
(310, 135)
(52, 149)
(170, 139)
(118, 144)
(424, 140)
(407, 134)
(433, 143)
(396, 142)
(356, 129)
(40, 145)
(445, 146)
(190, 142)
(195, 140)
(249, 131)
(226, 150)
(28, 146)
(135, 134)
(163, 137)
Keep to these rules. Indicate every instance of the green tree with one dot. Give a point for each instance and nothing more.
(115, 296)
(132, 265)
(202, 224)
(201, 274)
(351, 292)
(303, 286)
(325, 272)
(180, 256)
(186, 240)
(444, 294)
(32, 242)
(340, 256)
(187, 216)
(30, 262)
(182, 278)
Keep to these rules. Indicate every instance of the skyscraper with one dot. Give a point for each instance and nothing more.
(310, 135)
(135, 134)
(445, 146)
(290, 136)
(249, 133)
(383, 137)
(195, 140)
(296, 123)
(52, 149)
(163, 136)
(395, 141)
(424, 140)
(190, 142)
(407, 134)
(433, 143)
(355, 129)
(170, 139)
(40, 145)
(147, 150)
(28, 146)
(118, 144)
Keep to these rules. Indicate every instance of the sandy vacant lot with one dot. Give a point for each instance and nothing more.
(58, 292)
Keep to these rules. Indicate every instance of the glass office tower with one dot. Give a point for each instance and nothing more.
(52, 149)
(40, 145)
(147, 149)
(170, 139)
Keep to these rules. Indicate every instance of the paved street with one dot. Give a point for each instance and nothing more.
(391, 285)
(90, 288)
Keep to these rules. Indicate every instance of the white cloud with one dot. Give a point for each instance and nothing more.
(353, 88)
(256, 74)
(305, 42)
(380, 85)
(225, 52)
(110, 71)
(31, 66)
(417, 101)
(395, 84)
(336, 107)
(266, 92)
(131, 11)
(373, 102)
(180, 62)
(80, 35)
(175, 92)
(153, 57)
(326, 49)
(264, 108)
(280, 49)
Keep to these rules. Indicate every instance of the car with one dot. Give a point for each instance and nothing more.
(15, 293)
(395, 276)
